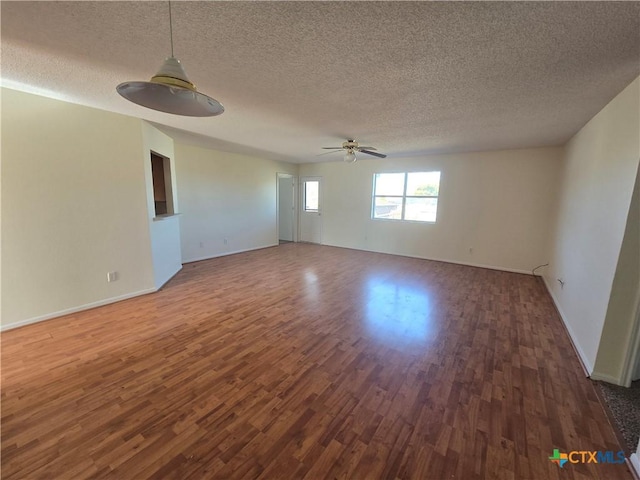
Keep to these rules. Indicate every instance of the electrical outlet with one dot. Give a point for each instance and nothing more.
(112, 276)
(201, 244)
(225, 240)
(470, 250)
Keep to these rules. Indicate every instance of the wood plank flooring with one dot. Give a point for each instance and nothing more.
(304, 361)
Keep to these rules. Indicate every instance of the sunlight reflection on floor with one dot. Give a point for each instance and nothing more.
(397, 312)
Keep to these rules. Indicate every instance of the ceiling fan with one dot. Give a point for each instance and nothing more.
(351, 147)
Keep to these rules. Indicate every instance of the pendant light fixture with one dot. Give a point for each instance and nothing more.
(170, 90)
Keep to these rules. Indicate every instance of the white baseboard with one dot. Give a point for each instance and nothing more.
(635, 463)
(586, 364)
(481, 265)
(107, 301)
(79, 308)
(605, 378)
(224, 254)
(446, 260)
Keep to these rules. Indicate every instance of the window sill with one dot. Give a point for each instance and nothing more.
(165, 216)
(399, 220)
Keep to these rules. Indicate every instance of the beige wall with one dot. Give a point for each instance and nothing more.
(73, 208)
(499, 204)
(226, 196)
(600, 167)
(77, 202)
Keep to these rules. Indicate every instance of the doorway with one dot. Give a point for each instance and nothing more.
(286, 212)
(311, 209)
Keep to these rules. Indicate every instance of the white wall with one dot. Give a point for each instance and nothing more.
(226, 197)
(600, 167)
(73, 208)
(498, 204)
(617, 332)
(164, 231)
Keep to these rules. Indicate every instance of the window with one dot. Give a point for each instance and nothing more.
(311, 188)
(409, 196)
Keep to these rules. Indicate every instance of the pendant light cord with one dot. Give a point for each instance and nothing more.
(170, 28)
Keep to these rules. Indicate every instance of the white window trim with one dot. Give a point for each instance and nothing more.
(403, 197)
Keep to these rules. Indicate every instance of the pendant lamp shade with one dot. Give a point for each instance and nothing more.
(170, 90)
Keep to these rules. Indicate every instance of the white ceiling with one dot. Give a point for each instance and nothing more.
(407, 77)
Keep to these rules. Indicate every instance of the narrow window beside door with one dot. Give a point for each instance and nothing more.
(311, 195)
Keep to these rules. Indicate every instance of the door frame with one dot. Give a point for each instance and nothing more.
(294, 212)
(633, 347)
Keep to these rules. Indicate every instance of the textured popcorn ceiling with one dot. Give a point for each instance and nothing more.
(406, 77)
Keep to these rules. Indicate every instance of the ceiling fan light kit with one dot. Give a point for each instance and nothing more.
(170, 91)
(350, 157)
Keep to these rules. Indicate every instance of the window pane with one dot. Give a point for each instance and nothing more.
(421, 209)
(311, 195)
(423, 183)
(389, 184)
(387, 207)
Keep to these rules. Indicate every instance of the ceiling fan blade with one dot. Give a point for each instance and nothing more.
(327, 153)
(332, 148)
(375, 154)
(368, 148)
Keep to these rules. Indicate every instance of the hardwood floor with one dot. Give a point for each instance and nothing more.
(304, 361)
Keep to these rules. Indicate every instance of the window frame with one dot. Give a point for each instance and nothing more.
(403, 197)
(304, 197)
(161, 185)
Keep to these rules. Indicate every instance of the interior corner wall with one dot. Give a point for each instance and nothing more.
(600, 166)
(73, 208)
(494, 209)
(164, 231)
(227, 201)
